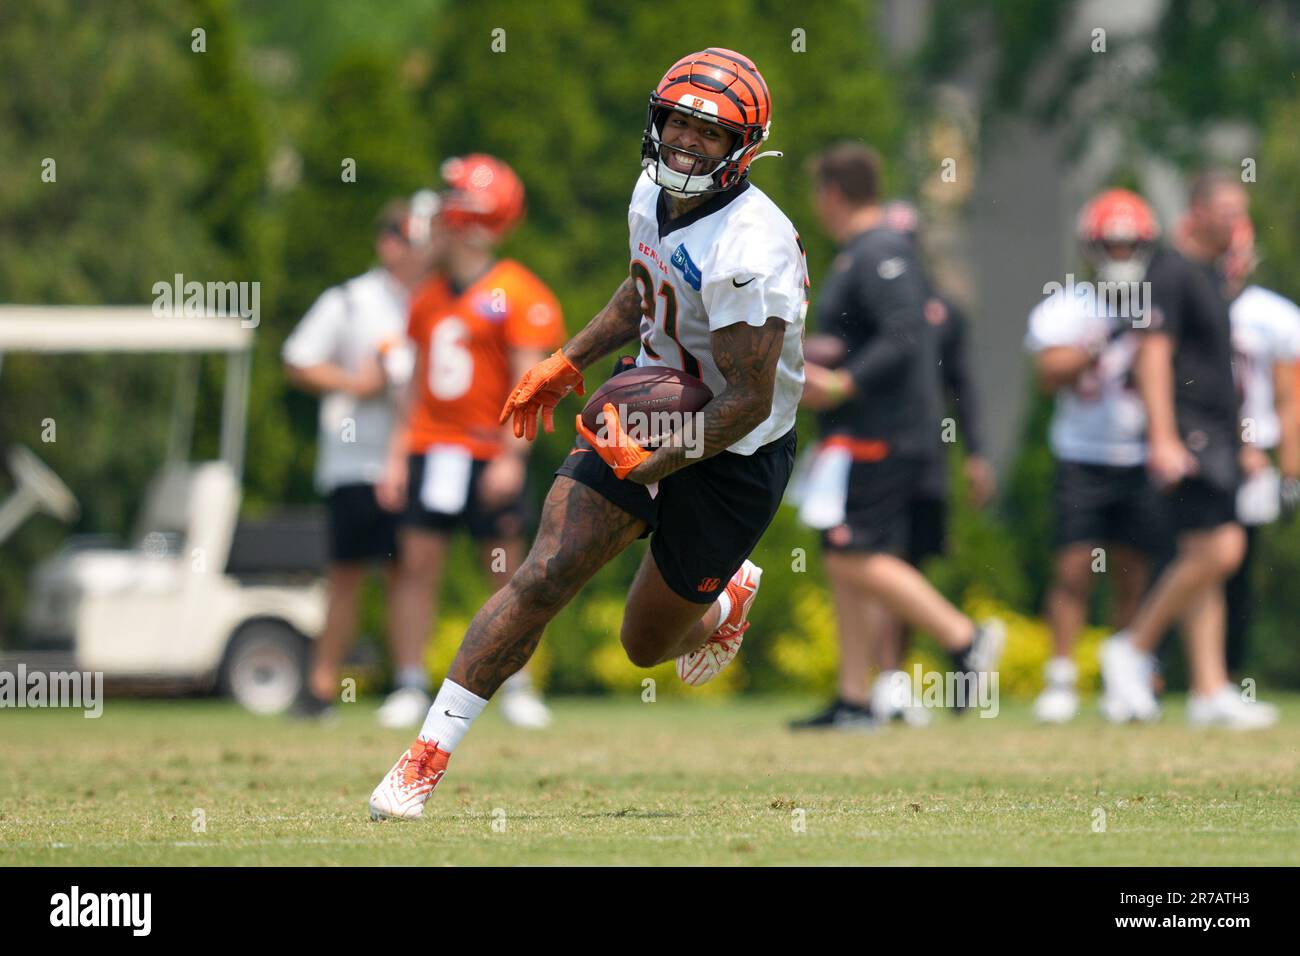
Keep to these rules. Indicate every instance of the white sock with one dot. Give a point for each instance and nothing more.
(1061, 672)
(724, 606)
(453, 710)
(416, 677)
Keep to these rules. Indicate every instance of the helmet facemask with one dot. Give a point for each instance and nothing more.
(720, 173)
(1110, 269)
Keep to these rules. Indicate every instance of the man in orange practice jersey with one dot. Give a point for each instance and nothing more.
(477, 326)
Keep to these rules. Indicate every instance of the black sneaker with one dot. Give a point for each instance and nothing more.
(840, 715)
(310, 707)
(984, 652)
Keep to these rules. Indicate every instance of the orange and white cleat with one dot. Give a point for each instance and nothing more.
(402, 792)
(702, 665)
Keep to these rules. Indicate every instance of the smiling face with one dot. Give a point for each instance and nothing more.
(685, 132)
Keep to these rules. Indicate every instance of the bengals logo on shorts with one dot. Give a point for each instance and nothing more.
(709, 585)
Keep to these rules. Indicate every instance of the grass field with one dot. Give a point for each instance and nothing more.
(623, 782)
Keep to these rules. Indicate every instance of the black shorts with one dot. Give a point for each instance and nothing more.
(706, 519)
(360, 530)
(1109, 504)
(928, 534)
(483, 523)
(1197, 505)
(878, 507)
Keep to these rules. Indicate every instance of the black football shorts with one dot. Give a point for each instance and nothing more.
(483, 523)
(1109, 504)
(706, 519)
(878, 508)
(359, 529)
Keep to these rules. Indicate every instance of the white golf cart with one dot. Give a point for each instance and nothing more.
(198, 600)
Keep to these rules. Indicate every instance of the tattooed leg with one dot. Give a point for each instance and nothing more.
(658, 624)
(581, 532)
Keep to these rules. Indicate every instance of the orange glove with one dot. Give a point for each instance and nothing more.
(621, 453)
(541, 389)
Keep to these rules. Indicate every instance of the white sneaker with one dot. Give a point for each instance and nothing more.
(890, 694)
(705, 663)
(1227, 708)
(1056, 705)
(405, 788)
(521, 705)
(892, 697)
(1059, 701)
(404, 708)
(1126, 675)
(986, 648)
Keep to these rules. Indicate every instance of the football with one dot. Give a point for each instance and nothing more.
(651, 401)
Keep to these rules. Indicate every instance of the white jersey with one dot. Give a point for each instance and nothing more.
(1265, 331)
(734, 259)
(347, 325)
(1100, 420)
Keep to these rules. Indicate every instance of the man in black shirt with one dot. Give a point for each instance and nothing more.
(928, 508)
(1184, 371)
(879, 413)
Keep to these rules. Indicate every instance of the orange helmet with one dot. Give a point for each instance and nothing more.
(481, 191)
(718, 86)
(1118, 217)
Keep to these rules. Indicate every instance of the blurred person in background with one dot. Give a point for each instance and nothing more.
(1185, 376)
(477, 325)
(350, 349)
(879, 415)
(1083, 352)
(891, 694)
(1265, 344)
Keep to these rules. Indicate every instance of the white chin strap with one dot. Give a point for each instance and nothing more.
(679, 184)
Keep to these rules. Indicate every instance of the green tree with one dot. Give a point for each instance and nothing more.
(158, 162)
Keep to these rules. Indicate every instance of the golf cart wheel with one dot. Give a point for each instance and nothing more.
(265, 667)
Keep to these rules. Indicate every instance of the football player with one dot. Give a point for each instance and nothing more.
(1083, 353)
(1185, 377)
(716, 288)
(476, 325)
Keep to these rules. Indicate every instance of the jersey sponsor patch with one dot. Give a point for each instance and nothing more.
(689, 270)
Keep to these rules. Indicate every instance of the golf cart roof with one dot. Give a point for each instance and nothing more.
(70, 328)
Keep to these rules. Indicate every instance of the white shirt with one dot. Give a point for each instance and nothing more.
(1265, 331)
(347, 325)
(740, 263)
(1100, 420)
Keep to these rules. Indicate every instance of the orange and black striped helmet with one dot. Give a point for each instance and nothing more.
(718, 86)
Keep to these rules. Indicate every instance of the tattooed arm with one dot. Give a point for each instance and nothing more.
(616, 324)
(747, 357)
